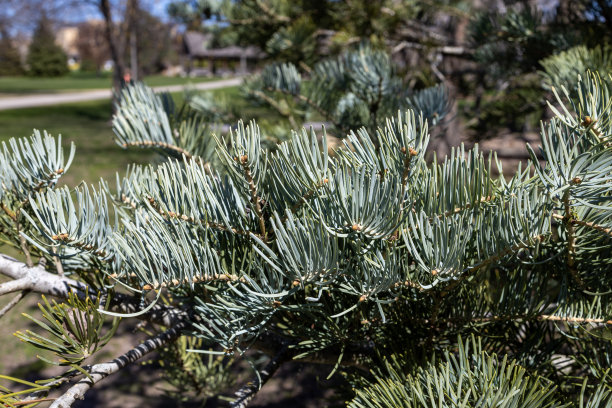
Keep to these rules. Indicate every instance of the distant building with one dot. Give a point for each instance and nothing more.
(204, 60)
(66, 37)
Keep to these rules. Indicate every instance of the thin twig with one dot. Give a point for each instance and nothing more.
(28, 402)
(467, 206)
(270, 13)
(159, 145)
(571, 239)
(283, 112)
(22, 241)
(244, 162)
(13, 302)
(488, 261)
(58, 266)
(305, 198)
(211, 224)
(245, 394)
(600, 228)
(309, 102)
(100, 371)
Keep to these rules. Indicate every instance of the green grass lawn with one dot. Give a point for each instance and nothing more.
(79, 81)
(88, 125)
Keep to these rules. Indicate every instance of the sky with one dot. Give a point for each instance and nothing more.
(157, 8)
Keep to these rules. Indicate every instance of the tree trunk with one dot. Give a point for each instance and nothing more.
(132, 9)
(118, 68)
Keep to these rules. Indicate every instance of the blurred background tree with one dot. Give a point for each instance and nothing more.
(45, 57)
(10, 60)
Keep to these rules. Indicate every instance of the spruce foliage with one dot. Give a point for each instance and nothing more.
(422, 283)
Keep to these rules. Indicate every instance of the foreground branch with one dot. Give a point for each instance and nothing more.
(100, 371)
(245, 394)
(14, 286)
(38, 280)
(13, 302)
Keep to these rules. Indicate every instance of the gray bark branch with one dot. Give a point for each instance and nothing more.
(245, 394)
(100, 371)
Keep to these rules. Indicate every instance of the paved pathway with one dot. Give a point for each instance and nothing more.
(16, 102)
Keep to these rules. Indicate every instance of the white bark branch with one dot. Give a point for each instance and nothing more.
(38, 280)
(100, 371)
(14, 286)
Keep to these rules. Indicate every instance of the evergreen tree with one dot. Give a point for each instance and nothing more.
(45, 57)
(10, 60)
(424, 284)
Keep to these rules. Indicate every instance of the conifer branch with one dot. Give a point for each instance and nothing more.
(98, 372)
(327, 115)
(38, 280)
(467, 206)
(186, 218)
(14, 286)
(219, 277)
(270, 13)
(24, 245)
(578, 320)
(494, 258)
(245, 394)
(244, 162)
(571, 239)
(14, 302)
(306, 197)
(160, 145)
(600, 228)
(283, 112)
(544, 317)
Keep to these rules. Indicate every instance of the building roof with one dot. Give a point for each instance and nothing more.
(197, 45)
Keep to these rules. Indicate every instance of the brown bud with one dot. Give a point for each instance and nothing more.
(356, 227)
(325, 180)
(587, 121)
(295, 283)
(276, 304)
(363, 298)
(412, 152)
(434, 272)
(60, 171)
(244, 158)
(147, 287)
(576, 180)
(403, 150)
